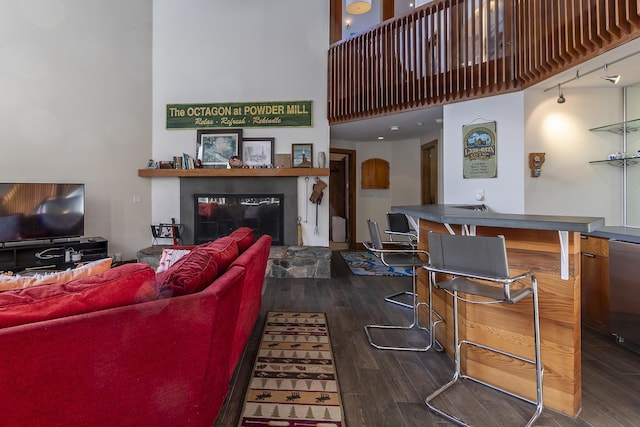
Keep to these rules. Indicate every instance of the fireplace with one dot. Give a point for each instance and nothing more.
(217, 215)
(248, 193)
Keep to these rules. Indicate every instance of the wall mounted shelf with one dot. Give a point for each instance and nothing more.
(629, 161)
(630, 126)
(239, 172)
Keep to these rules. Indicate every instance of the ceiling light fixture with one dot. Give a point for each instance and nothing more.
(613, 79)
(394, 128)
(561, 99)
(358, 7)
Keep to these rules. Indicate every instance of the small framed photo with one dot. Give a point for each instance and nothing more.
(302, 155)
(258, 152)
(215, 147)
(283, 160)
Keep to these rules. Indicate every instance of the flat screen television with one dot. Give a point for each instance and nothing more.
(41, 211)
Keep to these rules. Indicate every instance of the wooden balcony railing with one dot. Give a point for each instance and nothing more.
(452, 50)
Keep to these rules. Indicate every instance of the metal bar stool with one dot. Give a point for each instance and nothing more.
(403, 257)
(478, 268)
(399, 228)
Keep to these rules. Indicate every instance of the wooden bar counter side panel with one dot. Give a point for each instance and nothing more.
(510, 327)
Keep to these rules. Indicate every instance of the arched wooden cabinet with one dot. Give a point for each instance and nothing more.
(375, 174)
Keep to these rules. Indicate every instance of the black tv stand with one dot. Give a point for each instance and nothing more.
(54, 254)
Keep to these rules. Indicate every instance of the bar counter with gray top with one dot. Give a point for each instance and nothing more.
(548, 245)
(624, 234)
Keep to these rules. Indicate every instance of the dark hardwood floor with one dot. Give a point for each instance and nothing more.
(387, 388)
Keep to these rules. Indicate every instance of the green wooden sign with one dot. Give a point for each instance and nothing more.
(239, 115)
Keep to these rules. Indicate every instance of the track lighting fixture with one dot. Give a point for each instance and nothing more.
(561, 99)
(613, 79)
(580, 74)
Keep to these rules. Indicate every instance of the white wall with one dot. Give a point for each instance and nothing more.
(226, 51)
(75, 79)
(506, 192)
(404, 180)
(569, 184)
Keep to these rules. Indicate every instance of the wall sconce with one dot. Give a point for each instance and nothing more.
(612, 79)
(347, 23)
(535, 163)
(561, 99)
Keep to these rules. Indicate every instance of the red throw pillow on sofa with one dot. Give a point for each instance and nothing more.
(223, 250)
(244, 237)
(119, 286)
(191, 273)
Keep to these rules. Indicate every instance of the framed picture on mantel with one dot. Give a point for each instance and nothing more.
(215, 147)
(258, 152)
(302, 155)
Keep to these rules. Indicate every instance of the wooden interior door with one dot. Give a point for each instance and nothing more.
(429, 173)
(342, 187)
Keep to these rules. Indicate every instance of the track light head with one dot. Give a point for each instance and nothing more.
(611, 79)
(561, 99)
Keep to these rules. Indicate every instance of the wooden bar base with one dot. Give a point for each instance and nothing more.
(510, 327)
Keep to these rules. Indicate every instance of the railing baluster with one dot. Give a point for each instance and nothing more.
(455, 49)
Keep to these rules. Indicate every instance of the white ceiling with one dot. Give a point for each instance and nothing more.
(411, 124)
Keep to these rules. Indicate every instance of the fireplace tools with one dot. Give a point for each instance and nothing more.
(306, 188)
(316, 198)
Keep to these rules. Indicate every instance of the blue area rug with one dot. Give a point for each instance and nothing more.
(362, 263)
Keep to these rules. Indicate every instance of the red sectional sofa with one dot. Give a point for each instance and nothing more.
(162, 355)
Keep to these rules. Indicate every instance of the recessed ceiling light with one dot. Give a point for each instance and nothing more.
(438, 120)
(381, 137)
(419, 124)
(395, 128)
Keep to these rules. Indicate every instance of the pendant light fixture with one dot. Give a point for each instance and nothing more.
(358, 7)
(561, 99)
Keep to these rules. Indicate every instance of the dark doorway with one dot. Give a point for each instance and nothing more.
(429, 173)
(342, 209)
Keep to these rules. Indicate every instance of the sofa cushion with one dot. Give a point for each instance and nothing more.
(169, 257)
(123, 285)
(191, 273)
(244, 237)
(223, 250)
(16, 281)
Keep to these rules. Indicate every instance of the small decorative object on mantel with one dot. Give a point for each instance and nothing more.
(235, 162)
(322, 160)
(283, 160)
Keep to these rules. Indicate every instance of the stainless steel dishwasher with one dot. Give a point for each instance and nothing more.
(624, 292)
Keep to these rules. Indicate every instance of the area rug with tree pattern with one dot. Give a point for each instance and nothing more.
(293, 383)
